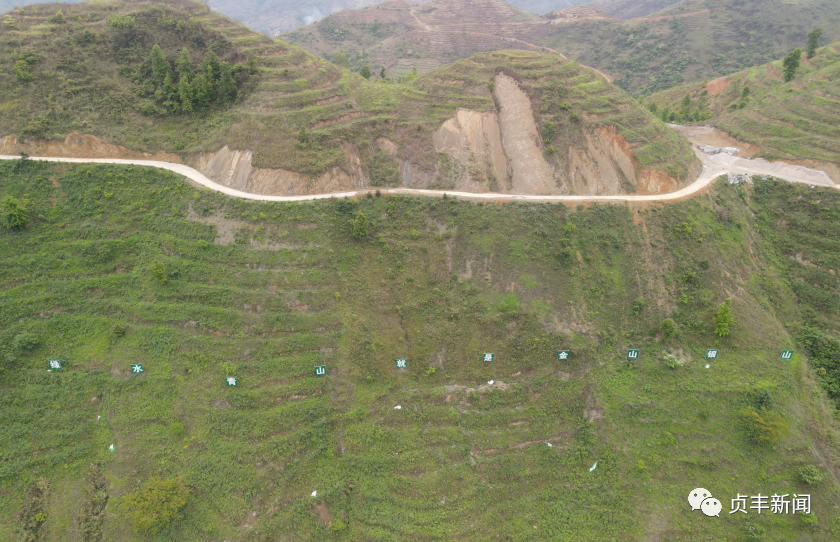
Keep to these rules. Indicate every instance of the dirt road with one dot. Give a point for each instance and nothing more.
(711, 170)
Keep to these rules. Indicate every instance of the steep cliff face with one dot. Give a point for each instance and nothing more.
(474, 140)
(504, 152)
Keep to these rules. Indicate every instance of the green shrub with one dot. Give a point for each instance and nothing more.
(176, 429)
(24, 342)
(638, 306)
(755, 532)
(672, 362)
(509, 303)
(121, 21)
(359, 226)
(13, 213)
(764, 400)
(723, 320)
(764, 427)
(158, 271)
(669, 328)
(810, 474)
(155, 504)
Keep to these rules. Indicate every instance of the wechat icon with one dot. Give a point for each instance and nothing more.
(702, 499)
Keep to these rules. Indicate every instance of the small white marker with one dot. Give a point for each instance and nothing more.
(398, 407)
(708, 366)
(314, 493)
(491, 382)
(593, 467)
(97, 418)
(111, 448)
(549, 444)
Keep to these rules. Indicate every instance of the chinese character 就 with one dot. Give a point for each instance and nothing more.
(778, 504)
(739, 504)
(401, 364)
(759, 502)
(801, 503)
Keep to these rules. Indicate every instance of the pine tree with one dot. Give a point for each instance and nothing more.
(382, 73)
(791, 64)
(185, 93)
(813, 41)
(202, 92)
(160, 66)
(184, 66)
(211, 67)
(227, 86)
(365, 72)
(252, 63)
(170, 92)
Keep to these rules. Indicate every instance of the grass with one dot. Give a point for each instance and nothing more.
(793, 120)
(460, 460)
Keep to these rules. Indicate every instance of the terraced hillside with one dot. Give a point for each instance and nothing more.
(123, 265)
(263, 116)
(794, 121)
(694, 39)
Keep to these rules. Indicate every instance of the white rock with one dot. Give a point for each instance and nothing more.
(708, 366)
(398, 407)
(491, 382)
(314, 493)
(549, 444)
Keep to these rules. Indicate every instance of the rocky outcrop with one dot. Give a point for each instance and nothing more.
(77, 145)
(474, 140)
(234, 169)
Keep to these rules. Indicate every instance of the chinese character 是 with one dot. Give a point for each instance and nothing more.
(739, 504)
(778, 504)
(759, 502)
(488, 357)
(801, 503)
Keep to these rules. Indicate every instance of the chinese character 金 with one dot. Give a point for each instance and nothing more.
(779, 504)
(759, 502)
(801, 503)
(739, 504)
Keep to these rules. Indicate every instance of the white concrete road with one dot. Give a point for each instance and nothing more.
(713, 167)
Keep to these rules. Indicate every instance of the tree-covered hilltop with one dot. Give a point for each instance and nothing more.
(109, 269)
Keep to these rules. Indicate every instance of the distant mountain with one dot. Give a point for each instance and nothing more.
(685, 41)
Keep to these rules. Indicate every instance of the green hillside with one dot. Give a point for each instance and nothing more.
(789, 120)
(93, 69)
(125, 265)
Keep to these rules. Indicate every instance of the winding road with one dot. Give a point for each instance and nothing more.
(713, 167)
